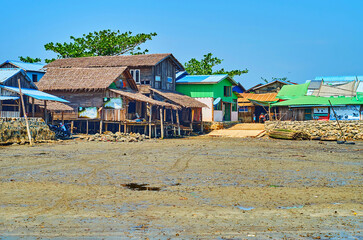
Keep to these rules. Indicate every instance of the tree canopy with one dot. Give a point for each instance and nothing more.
(101, 43)
(29, 59)
(205, 67)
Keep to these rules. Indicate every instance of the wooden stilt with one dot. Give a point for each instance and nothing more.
(191, 120)
(119, 127)
(145, 129)
(87, 127)
(72, 125)
(101, 123)
(177, 121)
(125, 128)
(155, 136)
(161, 123)
(106, 126)
(62, 117)
(150, 116)
(45, 112)
(25, 116)
(33, 107)
(201, 121)
(172, 121)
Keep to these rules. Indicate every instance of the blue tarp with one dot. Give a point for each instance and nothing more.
(35, 94)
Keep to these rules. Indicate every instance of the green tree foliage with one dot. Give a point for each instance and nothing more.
(205, 66)
(101, 43)
(29, 59)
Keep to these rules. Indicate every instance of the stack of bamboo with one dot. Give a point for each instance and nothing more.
(289, 134)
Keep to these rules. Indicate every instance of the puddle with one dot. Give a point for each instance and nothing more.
(291, 207)
(140, 187)
(245, 208)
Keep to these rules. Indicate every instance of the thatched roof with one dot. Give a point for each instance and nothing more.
(54, 106)
(79, 78)
(179, 99)
(114, 61)
(140, 97)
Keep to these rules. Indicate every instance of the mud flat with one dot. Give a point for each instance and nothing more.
(196, 188)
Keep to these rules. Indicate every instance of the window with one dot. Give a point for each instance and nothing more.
(218, 106)
(35, 78)
(135, 73)
(227, 91)
(170, 80)
(157, 78)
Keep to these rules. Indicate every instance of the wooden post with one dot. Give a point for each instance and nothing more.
(72, 125)
(201, 121)
(155, 131)
(87, 127)
(172, 121)
(145, 129)
(150, 115)
(119, 126)
(161, 123)
(25, 116)
(62, 117)
(33, 107)
(45, 112)
(101, 122)
(106, 126)
(177, 121)
(191, 121)
(125, 128)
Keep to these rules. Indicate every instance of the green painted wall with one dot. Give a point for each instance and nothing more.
(206, 90)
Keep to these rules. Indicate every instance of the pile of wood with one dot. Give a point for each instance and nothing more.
(289, 134)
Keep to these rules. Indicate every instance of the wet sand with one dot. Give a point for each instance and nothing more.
(197, 188)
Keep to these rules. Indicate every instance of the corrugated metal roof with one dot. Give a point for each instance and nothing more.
(6, 73)
(2, 98)
(27, 66)
(319, 101)
(293, 91)
(339, 78)
(265, 97)
(35, 94)
(203, 79)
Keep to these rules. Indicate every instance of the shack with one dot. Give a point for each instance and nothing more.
(106, 99)
(10, 105)
(215, 91)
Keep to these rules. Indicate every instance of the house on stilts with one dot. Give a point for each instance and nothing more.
(122, 93)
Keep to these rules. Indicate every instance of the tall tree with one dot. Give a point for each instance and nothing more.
(101, 43)
(29, 59)
(205, 66)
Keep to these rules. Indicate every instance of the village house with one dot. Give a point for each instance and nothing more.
(270, 87)
(34, 71)
(322, 99)
(215, 91)
(125, 93)
(10, 105)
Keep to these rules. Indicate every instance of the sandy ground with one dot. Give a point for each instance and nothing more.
(198, 188)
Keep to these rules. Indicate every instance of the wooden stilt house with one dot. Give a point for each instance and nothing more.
(105, 99)
(10, 105)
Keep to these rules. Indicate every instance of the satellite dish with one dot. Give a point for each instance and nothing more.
(216, 101)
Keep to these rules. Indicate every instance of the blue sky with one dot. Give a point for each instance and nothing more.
(271, 38)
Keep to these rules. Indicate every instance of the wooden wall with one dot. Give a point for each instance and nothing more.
(13, 81)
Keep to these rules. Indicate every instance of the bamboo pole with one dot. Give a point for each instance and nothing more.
(161, 123)
(45, 112)
(87, 127)
(25, 116)
(101, 122)
(119, 127)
